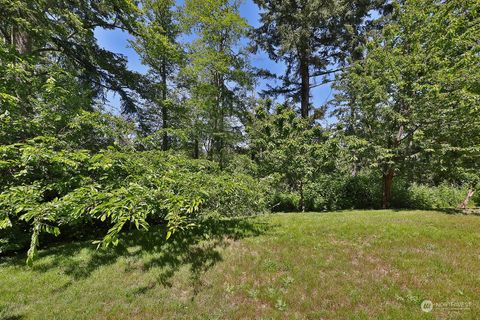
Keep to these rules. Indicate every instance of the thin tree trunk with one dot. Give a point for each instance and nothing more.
(390, 173)
(302, 197)
(469, 196)
(165, 144)
(305, 86)
(210, 144)
(351, 131)
(221, 140)
(196, 151)
(354, 169)
(387, 187)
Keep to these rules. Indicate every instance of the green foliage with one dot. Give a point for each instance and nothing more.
(412, 101)
(343, 192)
(309, 37)
(364, 191)
(284, 201)
(476, 198)
(218, 76)
(407, 111)
(51, 58)
(49, 188)
(289, 149)
(156, 43)
(428, 197)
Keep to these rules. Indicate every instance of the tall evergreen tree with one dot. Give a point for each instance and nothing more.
(218, 74)
(312, 38)
(156, 42)
(52, 66)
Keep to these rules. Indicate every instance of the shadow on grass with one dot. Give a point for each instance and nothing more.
(468, 211)
(7, 314)
(14, 317)
(450, 211)
(198, 248)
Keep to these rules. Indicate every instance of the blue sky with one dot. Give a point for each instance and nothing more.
(117, 41)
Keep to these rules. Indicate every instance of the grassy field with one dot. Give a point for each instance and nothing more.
(345, 265)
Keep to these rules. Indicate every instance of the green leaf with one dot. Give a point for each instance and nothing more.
(5, 223)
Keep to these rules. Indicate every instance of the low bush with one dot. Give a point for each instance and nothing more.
(328, 192)
(476, 198)
(343, 192)
(48, 187)
(284, 201)
(418, 196)
(364, 191)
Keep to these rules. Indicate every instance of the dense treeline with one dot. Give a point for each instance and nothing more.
(192, 138)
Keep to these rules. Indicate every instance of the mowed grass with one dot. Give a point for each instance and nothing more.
(344, 265)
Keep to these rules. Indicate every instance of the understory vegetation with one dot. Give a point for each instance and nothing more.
(204, 134)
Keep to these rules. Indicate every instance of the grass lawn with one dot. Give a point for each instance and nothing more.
(356, 264)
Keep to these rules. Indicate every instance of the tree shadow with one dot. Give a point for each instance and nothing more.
(7, 314)
(199, 248)
(449, 211)
(14, 317)
(457, 211)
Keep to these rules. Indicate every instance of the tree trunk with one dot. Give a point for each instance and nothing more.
(196, 151)
(351, 131)
(302, 197)
(390, 173)
(387, 187)
(305, 86)
(165, 144)
(221, 139)
(354, 169)
(465, 202)
(22, 41)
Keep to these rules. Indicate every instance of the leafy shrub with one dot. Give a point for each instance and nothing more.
(241, 164)
(343, 192)
(476, 198)
(285, 201)
(325, 193)
(364, 191)
(49, 186)
(418, 196)
(330, 192)
(234, 194)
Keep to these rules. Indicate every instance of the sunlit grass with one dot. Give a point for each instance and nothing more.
(377, 264)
